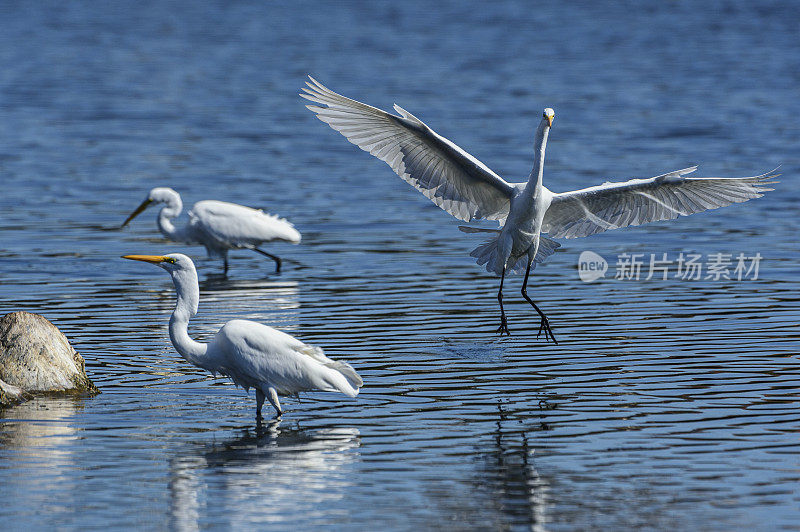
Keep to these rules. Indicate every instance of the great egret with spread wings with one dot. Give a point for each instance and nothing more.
(466, 188)
(251, 354)
(218, 225)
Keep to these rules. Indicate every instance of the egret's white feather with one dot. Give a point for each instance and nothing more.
(610, 206)
(235, 225)
(255, 355)
(450, 177)
(490, 255)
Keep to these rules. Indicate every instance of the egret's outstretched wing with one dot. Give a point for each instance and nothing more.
(237, 225)
(450, 177)
(639, 201)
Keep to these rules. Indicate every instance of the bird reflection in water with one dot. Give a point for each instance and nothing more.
(262, 475)
(259, 300)
(509, 472)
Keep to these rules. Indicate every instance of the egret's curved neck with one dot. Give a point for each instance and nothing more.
(188, 290)
(539, 144)
(170, 210)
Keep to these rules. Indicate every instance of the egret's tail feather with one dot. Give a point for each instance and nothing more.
(547, 246)
(343, 377)
(488, 254)
(353, 379)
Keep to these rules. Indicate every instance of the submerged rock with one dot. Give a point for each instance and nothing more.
(35, 357)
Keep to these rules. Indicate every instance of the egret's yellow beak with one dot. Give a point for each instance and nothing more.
(138, 211)
(153, 259)
(549, 121)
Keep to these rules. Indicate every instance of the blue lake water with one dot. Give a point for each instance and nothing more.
(667, 403)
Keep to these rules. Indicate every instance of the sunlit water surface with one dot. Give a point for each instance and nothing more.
(667, 403)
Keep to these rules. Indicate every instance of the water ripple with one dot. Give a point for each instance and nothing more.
(666, 405)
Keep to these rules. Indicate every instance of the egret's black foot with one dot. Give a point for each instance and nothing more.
(544, 326)
(276, 258)
(503, 326)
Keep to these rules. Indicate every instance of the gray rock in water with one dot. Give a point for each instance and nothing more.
(35, 357)
(10, 394)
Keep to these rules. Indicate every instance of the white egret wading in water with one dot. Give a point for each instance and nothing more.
(466, 188)
(218, 225)
(251, 354)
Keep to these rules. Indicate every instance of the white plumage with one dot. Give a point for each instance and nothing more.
(450, 177)
(609, 206)
(218, 225)
(466, 188)
(291, 366)
(251, 354)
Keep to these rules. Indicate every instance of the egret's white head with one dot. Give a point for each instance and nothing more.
(174, 262)
(181, 269)
(549, 115)
(157, 195)
(162, 195)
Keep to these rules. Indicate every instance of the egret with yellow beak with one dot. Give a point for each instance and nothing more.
(466, 188)
(251, 354)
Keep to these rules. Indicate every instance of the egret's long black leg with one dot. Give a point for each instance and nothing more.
(260, 398)
(503, 323)
(544, 325)
(273, 257)
(225, 270)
